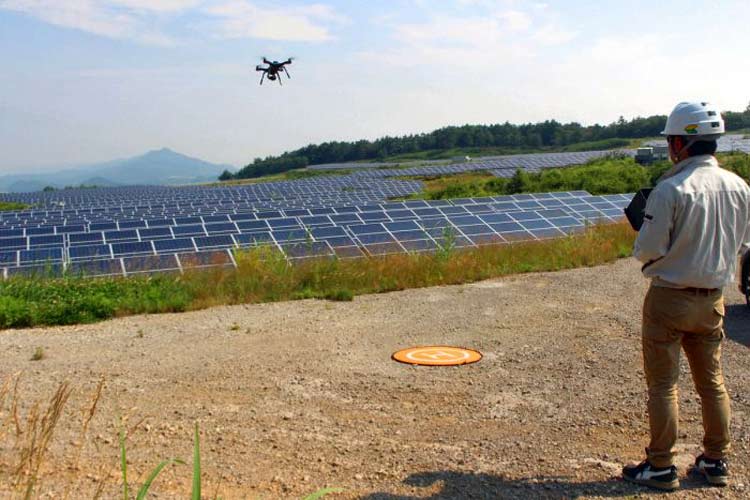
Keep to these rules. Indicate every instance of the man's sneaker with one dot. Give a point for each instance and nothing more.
(662, 478)
(715, 471)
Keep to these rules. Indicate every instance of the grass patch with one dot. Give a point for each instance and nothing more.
(10, 206)
(264, 275)
(342, 295)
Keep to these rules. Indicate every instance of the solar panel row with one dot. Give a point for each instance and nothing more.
(727, 143)
(391, 227)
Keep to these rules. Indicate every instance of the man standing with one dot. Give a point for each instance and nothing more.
(695, 224)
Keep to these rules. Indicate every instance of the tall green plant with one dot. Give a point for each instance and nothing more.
(196, 494)
(144, 489)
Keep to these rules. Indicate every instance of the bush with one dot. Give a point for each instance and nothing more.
(601, 176)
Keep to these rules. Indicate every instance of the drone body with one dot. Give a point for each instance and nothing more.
(273, 70)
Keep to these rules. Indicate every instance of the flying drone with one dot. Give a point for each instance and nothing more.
(273, 70)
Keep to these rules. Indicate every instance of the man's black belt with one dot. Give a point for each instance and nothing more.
(700, 291)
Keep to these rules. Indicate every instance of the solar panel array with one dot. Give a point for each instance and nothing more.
(727, 143)
(313, 192)
(144, 230)
(500, 166)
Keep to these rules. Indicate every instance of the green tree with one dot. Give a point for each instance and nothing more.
(519, 183)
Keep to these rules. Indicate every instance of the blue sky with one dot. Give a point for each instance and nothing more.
(91, 80)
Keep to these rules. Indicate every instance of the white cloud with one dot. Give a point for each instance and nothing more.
(156, 5)
(242, 19)
(143, 20)
(551, 34)
(486, 32)
(515, 20)
(110, 19)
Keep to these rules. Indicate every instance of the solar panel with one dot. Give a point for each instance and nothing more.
(254, 239)
(40, 255)
(205, 259)
(419, 245)
(308, 249)
(88, 252)
(207, 219)
(221, 228)
(175, 245)
(9, 258)
(13, 243)
(158, 223)
(125, 235)
(252, 225)
(155, 233)
(46, 240)
(211, 242)
(131, 224)
(190, 230)
(289, 235)
(150, 263)
(103, 226)
(283, 223)
(371, 238)
(328, 232)
(102, 267)
(85, 238)
(35, 231)
(132, 248)
(42, 271)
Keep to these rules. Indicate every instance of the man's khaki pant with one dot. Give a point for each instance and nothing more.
(693, 320)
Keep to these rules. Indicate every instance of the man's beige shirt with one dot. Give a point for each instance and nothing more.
(697, 221)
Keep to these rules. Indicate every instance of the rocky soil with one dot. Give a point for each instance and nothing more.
(293, 397)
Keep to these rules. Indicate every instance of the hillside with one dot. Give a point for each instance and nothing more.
(158, 167)
(499, 138)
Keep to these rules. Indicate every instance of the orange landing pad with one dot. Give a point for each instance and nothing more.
(437, 356)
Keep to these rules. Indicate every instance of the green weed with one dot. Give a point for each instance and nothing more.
(38, 354)
(341, 295)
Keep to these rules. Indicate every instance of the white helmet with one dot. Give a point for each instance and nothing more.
(699, 120)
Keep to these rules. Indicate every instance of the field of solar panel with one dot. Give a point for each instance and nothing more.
(127, 231)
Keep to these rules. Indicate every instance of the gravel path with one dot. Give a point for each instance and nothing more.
(295, 396)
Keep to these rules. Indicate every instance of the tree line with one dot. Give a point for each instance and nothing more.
(531, 136)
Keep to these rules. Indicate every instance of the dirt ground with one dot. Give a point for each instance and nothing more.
(293, 397)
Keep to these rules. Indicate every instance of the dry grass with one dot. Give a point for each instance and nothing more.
(33, 440)
(27, 438)
(264, 275)
(25, 442)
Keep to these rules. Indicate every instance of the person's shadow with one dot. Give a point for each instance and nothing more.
(460, 485)
(737, 323)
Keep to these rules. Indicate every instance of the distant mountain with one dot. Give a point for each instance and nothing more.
(159, 167)
(24, 186)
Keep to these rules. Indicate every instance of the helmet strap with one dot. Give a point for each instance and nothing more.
(690, 142)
